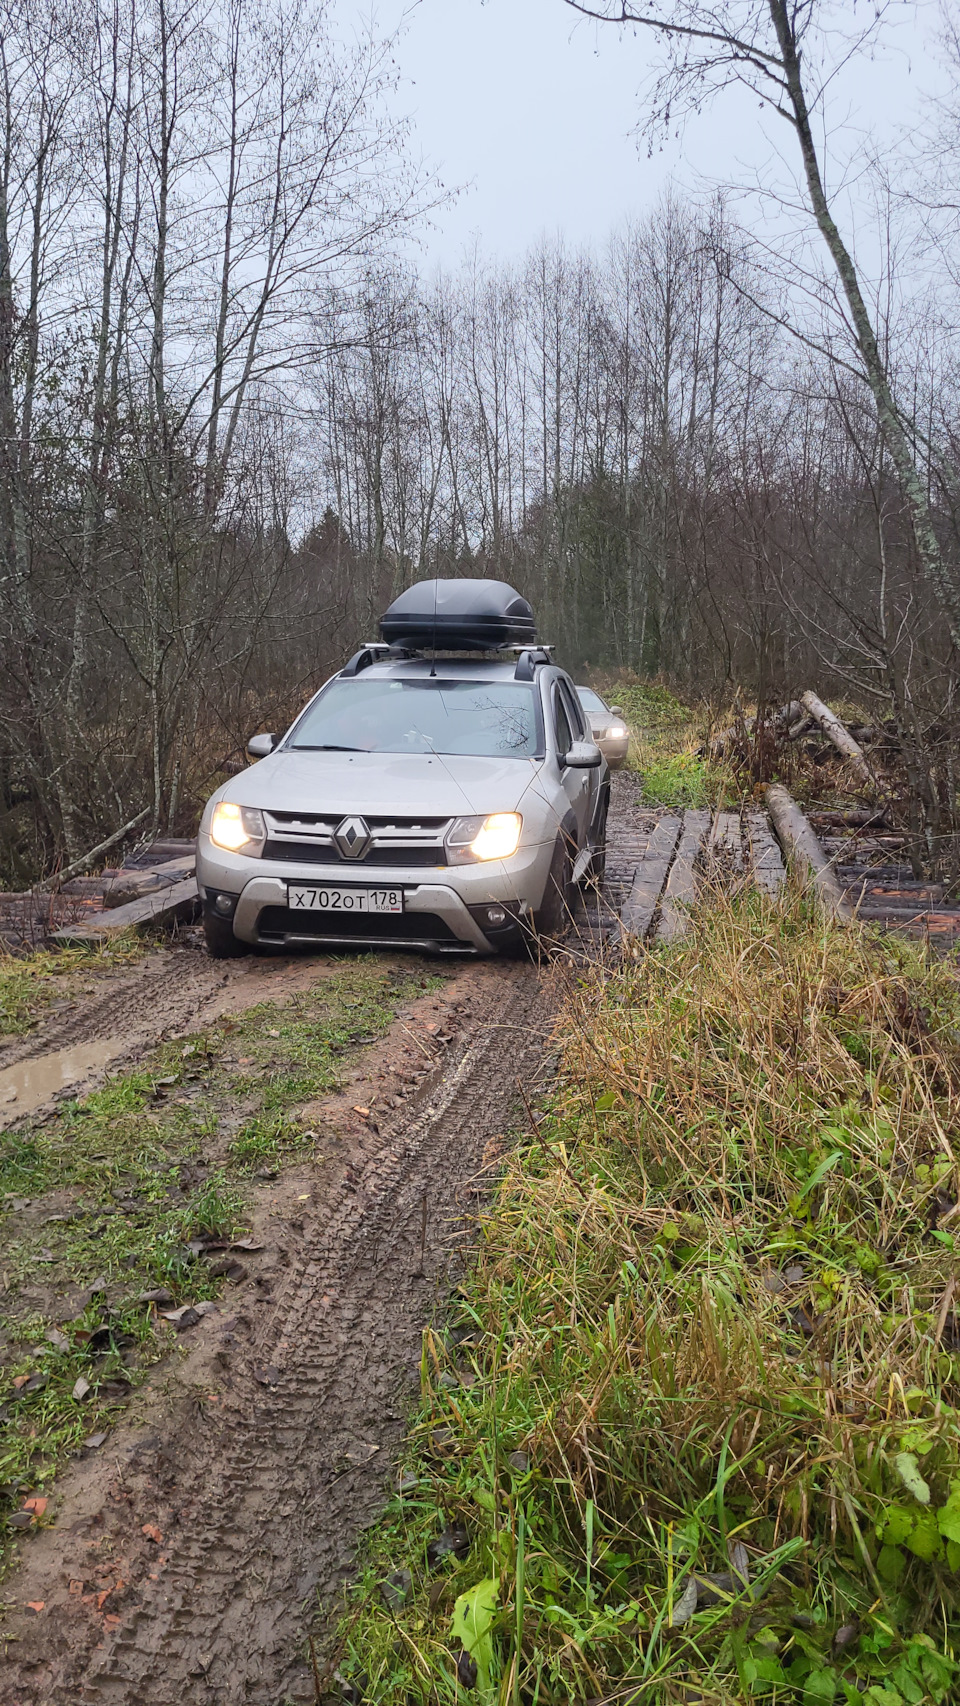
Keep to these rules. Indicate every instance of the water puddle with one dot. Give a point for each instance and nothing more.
(31, 1082)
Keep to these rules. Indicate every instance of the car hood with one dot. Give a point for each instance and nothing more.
(379, 783)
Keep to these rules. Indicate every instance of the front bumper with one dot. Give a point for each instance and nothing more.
(445, 900)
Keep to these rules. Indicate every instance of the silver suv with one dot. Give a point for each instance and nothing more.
(447, 803)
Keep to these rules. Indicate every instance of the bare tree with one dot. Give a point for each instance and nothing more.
(762, 45)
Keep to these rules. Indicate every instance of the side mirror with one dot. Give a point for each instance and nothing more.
(258, 746)
(616, 711)
(583, 755)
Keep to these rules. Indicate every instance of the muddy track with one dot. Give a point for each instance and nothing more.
(260, 1501)
(162, 994)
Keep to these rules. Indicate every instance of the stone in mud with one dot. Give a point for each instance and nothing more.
(454, 1542)
(396, 1589)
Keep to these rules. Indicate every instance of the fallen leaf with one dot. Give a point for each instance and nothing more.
(305, 1197)
(76, 1588)
(267, 1376)
(116, 1389)
(363, 1112)
(161, 1295)
(36, 1606)
(94, 1441)
(37, 1506)
(185, 1316)
(111, 1621)
(249, 1244)
(152, 1533)
(21, 1519)
(59, 1341)
(35, 1383)
(99, 1284)
(273, 1033)
(19, 1381)
(81, 1389)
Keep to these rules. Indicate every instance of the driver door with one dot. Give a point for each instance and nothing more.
(578, 785)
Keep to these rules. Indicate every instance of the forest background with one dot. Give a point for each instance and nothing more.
(236, 419)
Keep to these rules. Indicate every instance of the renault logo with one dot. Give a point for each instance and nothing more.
(352, 838)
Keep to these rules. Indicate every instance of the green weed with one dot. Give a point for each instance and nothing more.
(30, 983)
(700, 1413)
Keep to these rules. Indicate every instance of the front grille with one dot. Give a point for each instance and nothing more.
(321, 823)
(280, 921)
(316, 853)
(308, 838)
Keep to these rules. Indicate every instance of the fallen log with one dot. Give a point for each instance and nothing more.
(862, 818)
(839, 736)
(94, 853)
(130, 884)
(803, 852)
(180, 900)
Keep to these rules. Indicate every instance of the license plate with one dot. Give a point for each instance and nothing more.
(300, 899)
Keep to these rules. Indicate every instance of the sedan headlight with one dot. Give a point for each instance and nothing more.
(471, 839)
(239, 829)
(616, 731)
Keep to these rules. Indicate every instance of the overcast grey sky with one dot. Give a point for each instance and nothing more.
(531, 111)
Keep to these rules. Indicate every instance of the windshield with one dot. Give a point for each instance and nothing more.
(589, 700)
(483, 719)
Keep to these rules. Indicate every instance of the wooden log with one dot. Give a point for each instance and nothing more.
(177, 901)
(766, 860)
(651, 874)
(839, 736)
(129, 885)
(681, 888)
(725, 839)
(803, 852)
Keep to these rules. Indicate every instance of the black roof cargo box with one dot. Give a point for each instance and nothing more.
(459, 615)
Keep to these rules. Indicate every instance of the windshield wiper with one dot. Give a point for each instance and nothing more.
(299, 747)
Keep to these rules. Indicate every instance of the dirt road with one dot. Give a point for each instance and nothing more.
(183, 1559)
(181, 1567)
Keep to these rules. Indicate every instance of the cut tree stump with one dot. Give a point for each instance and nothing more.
(179, 900)
(803, 851)
(681, 887)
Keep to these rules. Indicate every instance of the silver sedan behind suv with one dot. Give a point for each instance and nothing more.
(447, 803)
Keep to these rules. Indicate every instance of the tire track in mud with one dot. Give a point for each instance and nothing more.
(265, 1503)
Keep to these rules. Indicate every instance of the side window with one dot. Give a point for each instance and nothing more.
(574, 713)
(561, 722)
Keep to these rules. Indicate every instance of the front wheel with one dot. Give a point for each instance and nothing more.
(221, 942)
(552, 919)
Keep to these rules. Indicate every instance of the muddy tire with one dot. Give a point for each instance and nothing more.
(553, 918)
(221, 942)
(597, 869)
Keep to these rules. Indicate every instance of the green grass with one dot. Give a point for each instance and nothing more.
(712, 1307)
(132, 1174)
(31, 983)
(665, 736)
(681, 779)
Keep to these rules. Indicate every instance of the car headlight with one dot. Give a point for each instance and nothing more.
(616, 731)
(240, 829)
(474, 838)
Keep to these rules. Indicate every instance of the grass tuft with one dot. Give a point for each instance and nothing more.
(700, 1412)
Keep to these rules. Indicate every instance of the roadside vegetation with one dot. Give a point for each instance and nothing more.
(129, 1202)
(694, 1432)
(665, 740)
(31, 982)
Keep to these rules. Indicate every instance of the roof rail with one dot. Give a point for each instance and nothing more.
(364, 657)
(529, 661)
